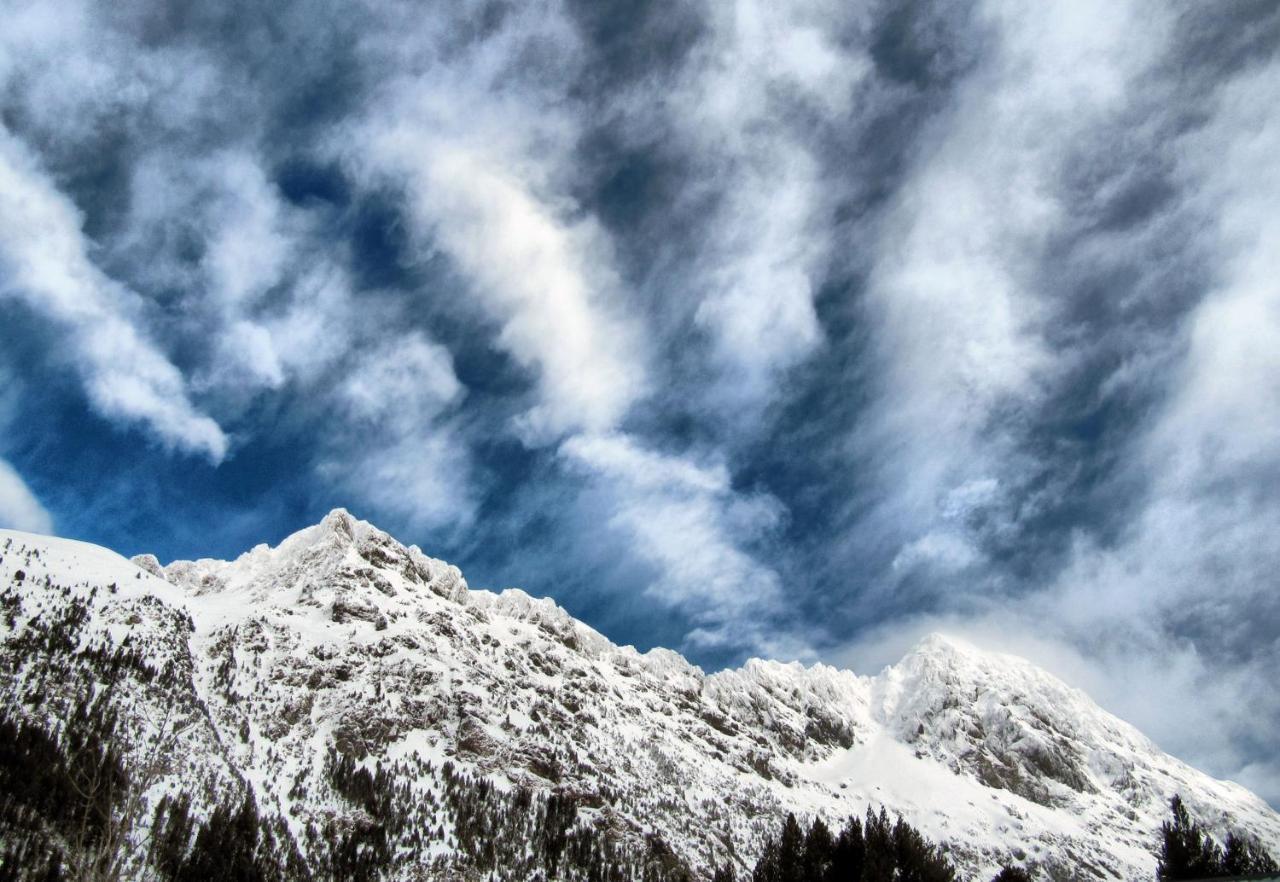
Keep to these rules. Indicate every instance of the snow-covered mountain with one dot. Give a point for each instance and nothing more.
(342, 645)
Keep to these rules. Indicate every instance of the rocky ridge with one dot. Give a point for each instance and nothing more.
(342, 641)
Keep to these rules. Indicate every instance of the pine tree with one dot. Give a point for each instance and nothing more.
(849, 854)
(1012, 874)
(878, 861)
(767, 868)
(1186, 851)
(1244, 857)
(871, 851)
(171, 831)
(791, 851)
(819, 849)
(725, 873)
(917, 859)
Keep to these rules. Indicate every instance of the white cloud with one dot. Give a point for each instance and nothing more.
(689, 523)
(251, 244)
(48, 48)
(743, 108)
(1163, 624)
(422, 478)
(45, 263)
(547, 281)
(404, 383)
(247, 253)
(759, 292)
(647, 469)
(19, 508)
(937, 550)
(955, 300)
(247, 246)
(1188, 586)
(396, 447)
(202, 229)
(482, 145)
(320, 324)
(1167, 623)
(1223, 417)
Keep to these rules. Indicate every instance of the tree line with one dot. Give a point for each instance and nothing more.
(69, 799)
(868, 848)
(1187, 851)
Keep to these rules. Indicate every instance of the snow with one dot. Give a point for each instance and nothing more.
(341, 636)
(69, 561)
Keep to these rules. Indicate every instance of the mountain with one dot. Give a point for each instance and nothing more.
(382, 714)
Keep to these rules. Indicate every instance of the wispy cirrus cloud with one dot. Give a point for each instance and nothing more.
(1077, 323)
(749, 108)
(479, 142)
(395, 402)
(19, 508)
(545, 281)
(690, 524)
(45, 264)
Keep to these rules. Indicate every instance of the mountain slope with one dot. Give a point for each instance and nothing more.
(341, 649)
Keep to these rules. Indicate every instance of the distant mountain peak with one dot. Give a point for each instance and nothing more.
(341, 520)
(938, 643)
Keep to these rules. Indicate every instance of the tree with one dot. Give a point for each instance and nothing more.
(226, 848)
(875, 850)
(1012, 874)
(1186, 851)
(917, 858)
(725, 873)
(879, 860)
(767, 868)
(849, 854)
(1245, 856)
(819, 850)
(791, 851)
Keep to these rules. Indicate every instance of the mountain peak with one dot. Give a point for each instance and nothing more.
(338, 528)
(961, 659)
(938, 643)
(339, 520)
(326, 565)
(341, 639)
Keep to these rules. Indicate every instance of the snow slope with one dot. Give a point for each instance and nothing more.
(342, 637)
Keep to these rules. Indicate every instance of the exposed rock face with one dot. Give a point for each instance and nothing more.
(343, 638)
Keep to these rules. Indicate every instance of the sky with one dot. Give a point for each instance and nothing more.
(754, 327)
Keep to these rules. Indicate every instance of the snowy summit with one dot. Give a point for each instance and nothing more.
(343, 656)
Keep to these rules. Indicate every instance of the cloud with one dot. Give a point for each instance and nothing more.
(978, 351)
(959, 310)
(19, 508)
(745, 114)
(1075, 343)
(688, 522)
(394, 446)
(1192, 573)
(248, 246)
(547, 282)
(479, 144)
(409, 380)
(45, 264)
(1220, 419)
(740, 112)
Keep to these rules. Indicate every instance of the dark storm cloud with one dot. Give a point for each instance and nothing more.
(789, 329)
